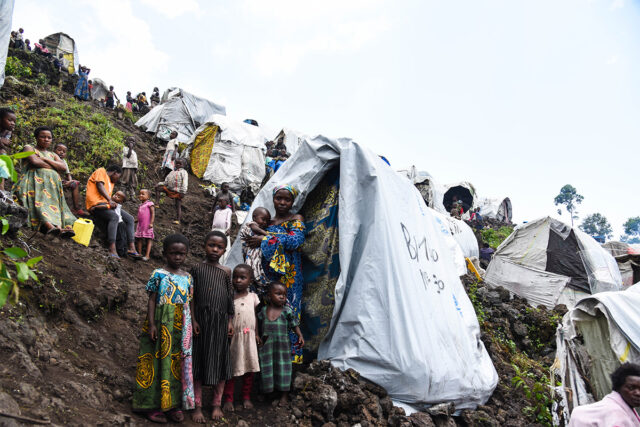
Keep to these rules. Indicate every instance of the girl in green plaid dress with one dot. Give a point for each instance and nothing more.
(276, 319)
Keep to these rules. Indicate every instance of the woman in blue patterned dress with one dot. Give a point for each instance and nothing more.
(82, 87)
(281, 256)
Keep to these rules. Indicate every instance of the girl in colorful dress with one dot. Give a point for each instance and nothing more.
(164, 381)
(244, 344)
(276, 320)
(144, 229)
(82, 87)
(281, 257)
(214, 310)
(40, 187)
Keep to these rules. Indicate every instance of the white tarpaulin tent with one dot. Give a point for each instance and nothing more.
(549, 263)
(401, 316)
(225, 150)
(463, 191)
(291, 138)
(6, 14)
(496, 209)
(99, 90)
(179, 111)
(431, 191)
(464, 236)
(61, 43)
(599, 334)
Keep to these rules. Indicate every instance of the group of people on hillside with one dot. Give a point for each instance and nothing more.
(17, 41)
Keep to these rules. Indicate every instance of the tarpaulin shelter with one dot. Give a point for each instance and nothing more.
(180, 111)
(99, 90)
(61, 43)
(6, 15)
(599, 334)
(463, 191)
(549, 263)
(291, 139)
(431, 191)
(225, 150)
(496, 209)
(628, 259)
(464, 236)
(382, 293)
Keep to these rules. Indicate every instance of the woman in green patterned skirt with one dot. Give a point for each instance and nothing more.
(40, 188)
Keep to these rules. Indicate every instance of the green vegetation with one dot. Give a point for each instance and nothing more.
(570, 198)
(15, 68)
(538, 391)
(495, 237)
(596, 225)
(477, 304)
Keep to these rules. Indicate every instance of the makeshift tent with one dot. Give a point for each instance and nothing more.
(99, 90)
(595, 337)
(179, 111)
(61, 43)
(225, 150)
(382, 293)
(431, 191)
(6, 14)
(549, 263)
(496, 209)
(292, 139)
(463, 191)
(464, 236)
(628, 259)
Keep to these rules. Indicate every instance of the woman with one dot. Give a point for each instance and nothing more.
(40, 188)
(82, 87)
(281, 258)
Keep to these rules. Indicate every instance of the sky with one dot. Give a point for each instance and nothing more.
(518, 98)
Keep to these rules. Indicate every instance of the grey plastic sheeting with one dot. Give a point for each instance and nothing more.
(6, 14)
(402, 317)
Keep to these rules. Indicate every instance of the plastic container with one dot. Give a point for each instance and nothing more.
(83, 229)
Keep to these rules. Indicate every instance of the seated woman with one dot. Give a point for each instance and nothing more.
(281, 257)
(40, 188)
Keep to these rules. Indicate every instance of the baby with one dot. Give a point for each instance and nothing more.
(253, 256)
(119, 198)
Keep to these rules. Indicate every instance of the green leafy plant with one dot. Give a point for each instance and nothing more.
(41, 79)
(495, 237)
(15, 68)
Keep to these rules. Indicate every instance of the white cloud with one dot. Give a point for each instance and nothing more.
(617, 4)
(172, 8)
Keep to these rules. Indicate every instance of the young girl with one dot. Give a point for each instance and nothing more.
(144, 229)
(175, 186)
(7, 126)
(222, 222)
(164, 381)
(276, 320)
(244, 344)
(213, 309)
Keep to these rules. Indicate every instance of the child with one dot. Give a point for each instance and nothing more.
(223, 193)
(164, 380)
(68, 182)
(276, 319)
(253, 256)
(146, 216)
(244, 344)
(213, 312)
(129, 178)
(222, 222)
(7, 126)
(170, 153)
(110, 103)
(175, 185)
(119, 197)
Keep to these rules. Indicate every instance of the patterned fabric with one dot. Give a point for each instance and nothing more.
(177, 181)
(253, 257)
(290, 188)
(320, 261)
(201, 151)
(275, 355)
(281, 262)
(40, 191)
(82, 87)
(144, 219)
(164, 378)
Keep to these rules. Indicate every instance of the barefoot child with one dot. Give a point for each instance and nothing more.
(175, 186)
(144, 229)
(276, 320)
(213, 310)
(222, 222)
(226, 194)
(253, 256)
(7, 126)
(244, 344)
(164, 382)
(129, 179)
(68, 182)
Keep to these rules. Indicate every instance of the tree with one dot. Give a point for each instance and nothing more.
(596, 225)
(568, 197)
(631, 230)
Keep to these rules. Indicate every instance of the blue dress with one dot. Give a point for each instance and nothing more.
(82, 87)
(281, 261)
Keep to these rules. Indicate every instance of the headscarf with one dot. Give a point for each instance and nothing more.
(290, 188)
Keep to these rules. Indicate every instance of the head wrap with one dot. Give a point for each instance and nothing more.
(290, 188)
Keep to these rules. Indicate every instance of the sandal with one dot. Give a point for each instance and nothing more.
(157, 417)
(80, 212)
(53, 231)
(145, 259)
(114, 256)
(67, 234)
(175, 415)
(134, 255)
(176, 222)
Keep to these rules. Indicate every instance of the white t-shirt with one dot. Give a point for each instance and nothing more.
(129, 162)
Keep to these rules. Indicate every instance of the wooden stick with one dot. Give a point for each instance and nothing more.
(23, 418)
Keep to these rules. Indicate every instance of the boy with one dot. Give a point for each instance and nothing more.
(119, 197)
(175, 186)
(224, 193)
(110, 103)
(68, 182)
(253, 256)
(129, 179)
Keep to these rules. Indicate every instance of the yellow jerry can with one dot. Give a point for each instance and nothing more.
(83, 229)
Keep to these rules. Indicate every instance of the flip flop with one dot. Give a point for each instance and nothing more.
(175, 415)
(157, 417)
(53, 231)
(67, 234)
(114, 256)
(176, 222)
(134, 255)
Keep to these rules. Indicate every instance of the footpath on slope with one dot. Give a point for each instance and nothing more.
(70, 345)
